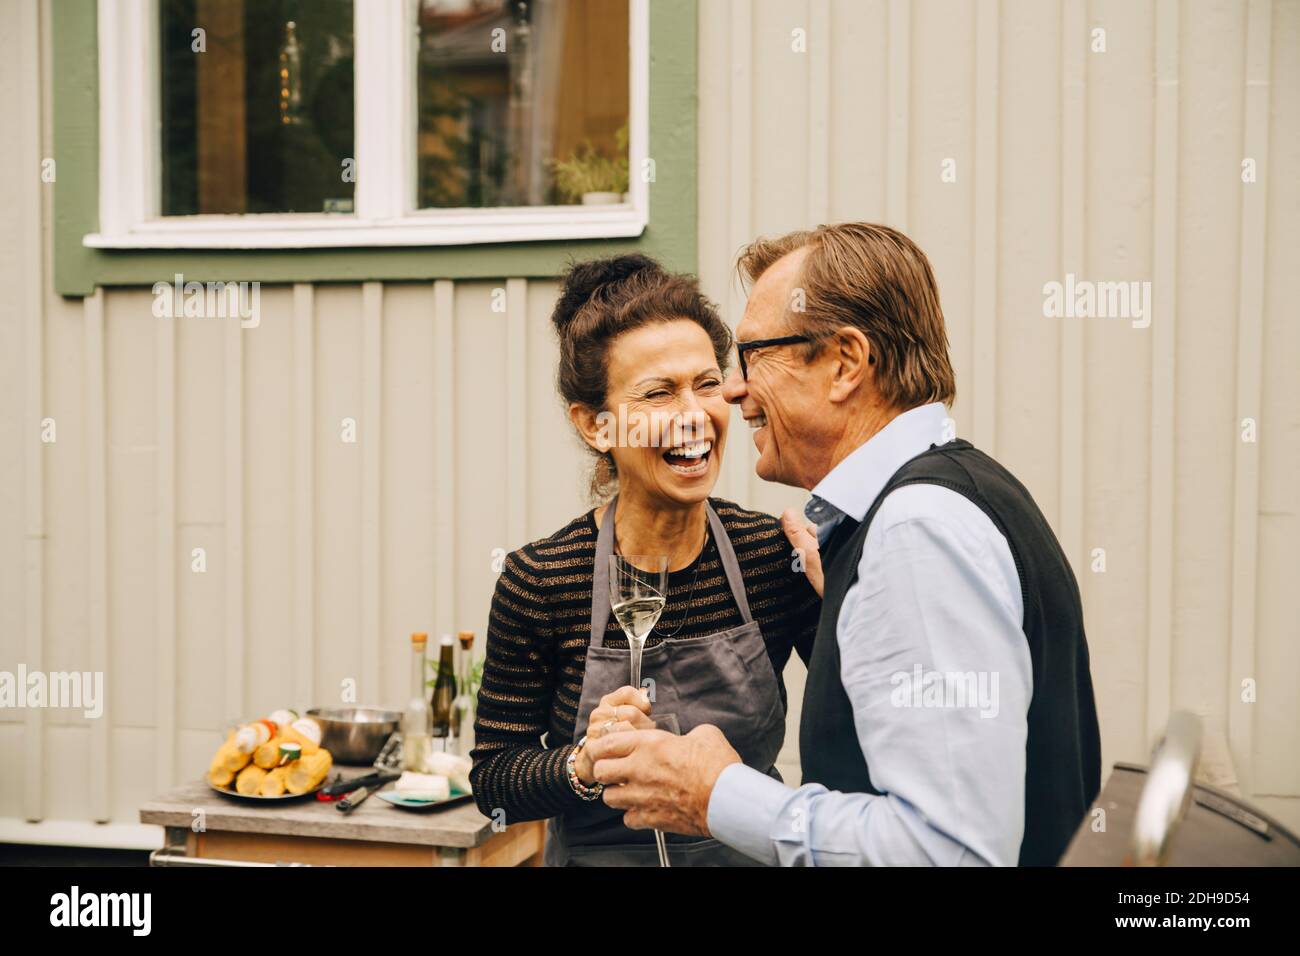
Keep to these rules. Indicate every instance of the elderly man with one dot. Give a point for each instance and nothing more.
(948, 716)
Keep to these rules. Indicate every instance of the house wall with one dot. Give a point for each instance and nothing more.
(322, 555)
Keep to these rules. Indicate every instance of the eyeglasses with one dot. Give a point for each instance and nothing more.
(743, 347)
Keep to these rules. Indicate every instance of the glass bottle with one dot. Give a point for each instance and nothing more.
(444, 691)
(462, 708)
(417, 717)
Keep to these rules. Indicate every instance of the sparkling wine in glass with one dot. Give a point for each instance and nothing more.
(638, 588)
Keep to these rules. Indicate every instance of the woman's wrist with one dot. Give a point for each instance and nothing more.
(584, 791)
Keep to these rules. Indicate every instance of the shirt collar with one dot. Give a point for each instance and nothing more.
(853, 484)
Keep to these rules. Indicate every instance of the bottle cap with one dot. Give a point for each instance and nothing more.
(419, 637)
(466, 639)
(446, 640)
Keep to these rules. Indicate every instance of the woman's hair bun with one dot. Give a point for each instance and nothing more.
(587, 280)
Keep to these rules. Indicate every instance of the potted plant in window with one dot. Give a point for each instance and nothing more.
(590, 177)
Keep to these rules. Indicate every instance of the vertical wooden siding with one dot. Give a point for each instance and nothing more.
(322, 554)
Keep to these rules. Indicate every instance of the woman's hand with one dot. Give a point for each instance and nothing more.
(624, 709)
(803, 538)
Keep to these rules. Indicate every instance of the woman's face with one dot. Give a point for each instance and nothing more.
(665, 419)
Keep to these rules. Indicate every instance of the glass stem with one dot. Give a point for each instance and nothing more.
(636, 647)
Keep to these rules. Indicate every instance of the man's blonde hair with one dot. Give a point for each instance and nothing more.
(875, 279)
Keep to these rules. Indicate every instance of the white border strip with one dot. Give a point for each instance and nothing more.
(165, 554)
(820, 91)
(1250, 362)
(985, 252)
(34, 450)
(304, 497)
(897, 145)
(737, 466)
(517, 471)
(232, 570)
(372, 367)
(446, 611)
(1074, 120)
(1164, 254)
(97, 549)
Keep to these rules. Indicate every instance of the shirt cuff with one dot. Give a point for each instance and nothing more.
(743, 810)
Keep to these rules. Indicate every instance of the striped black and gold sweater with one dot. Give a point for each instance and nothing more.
(539, 629)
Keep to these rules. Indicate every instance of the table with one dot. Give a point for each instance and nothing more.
(206, 828)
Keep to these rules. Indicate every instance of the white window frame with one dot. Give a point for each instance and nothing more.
(385, 43)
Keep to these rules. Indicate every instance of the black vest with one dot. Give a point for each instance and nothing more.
(1063, 766)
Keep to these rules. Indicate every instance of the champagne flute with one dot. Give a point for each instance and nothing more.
(638, 589)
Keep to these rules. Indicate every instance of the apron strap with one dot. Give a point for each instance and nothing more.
(600, 576)
(600, 608)
(729, 563)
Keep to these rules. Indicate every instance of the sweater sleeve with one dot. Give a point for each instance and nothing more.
(512, 771)
(808, 609)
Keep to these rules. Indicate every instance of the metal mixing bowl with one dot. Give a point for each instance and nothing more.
(354, 735)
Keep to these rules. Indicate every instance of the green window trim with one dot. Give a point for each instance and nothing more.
(670, 235)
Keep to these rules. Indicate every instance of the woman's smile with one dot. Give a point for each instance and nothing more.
(690, 460)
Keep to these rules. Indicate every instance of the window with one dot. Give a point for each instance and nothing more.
(310, 123)
(260, 119)
(522, 104)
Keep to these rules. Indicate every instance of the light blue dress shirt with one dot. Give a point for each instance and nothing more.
(936, 666)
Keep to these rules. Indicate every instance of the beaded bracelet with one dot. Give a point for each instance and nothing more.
(580, 788)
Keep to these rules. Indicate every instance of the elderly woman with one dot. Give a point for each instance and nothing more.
(642, 360)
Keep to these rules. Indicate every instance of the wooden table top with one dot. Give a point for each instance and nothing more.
(456, 825)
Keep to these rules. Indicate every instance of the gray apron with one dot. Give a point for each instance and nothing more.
(725, 679)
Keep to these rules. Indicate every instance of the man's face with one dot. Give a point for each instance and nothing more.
(784, 399)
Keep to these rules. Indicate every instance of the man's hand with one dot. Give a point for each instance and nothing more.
(803, 538)
(663, 781)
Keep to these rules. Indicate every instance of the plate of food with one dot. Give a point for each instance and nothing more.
(275, 758)
(445, 781)
(263, 797)
(424, 793)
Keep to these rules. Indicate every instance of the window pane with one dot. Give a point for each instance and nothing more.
(522, 102)
(257, 109)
